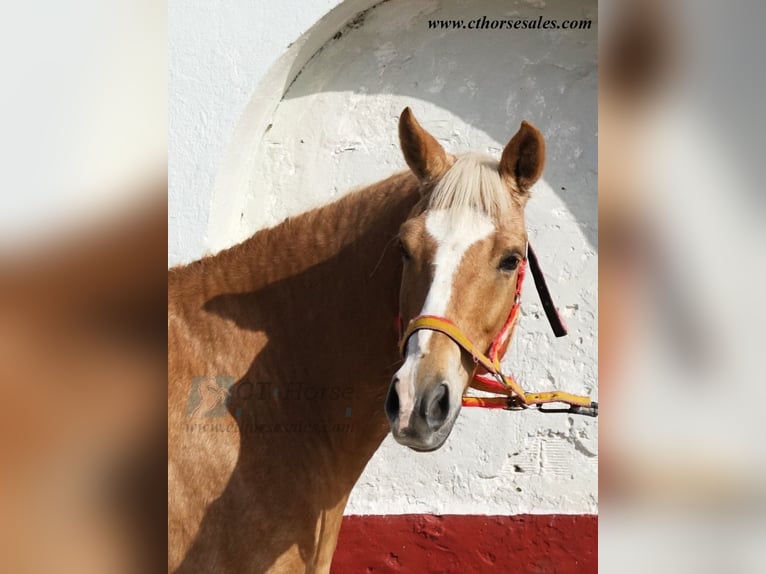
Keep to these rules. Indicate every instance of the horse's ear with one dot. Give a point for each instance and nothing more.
(523, 158)
(424, 155)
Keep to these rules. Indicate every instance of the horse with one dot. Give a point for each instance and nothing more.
(299, 324)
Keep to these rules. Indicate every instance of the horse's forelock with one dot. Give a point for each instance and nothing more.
(473, 184)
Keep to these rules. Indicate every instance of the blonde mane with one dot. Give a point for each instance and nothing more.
(473, 184)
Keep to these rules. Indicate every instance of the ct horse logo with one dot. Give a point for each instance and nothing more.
(209, 396)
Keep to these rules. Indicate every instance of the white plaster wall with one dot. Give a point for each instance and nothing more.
(218, 55)
(305, 142)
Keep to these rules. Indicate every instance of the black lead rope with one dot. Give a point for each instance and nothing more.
(557, 323)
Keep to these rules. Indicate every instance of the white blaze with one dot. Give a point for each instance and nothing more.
(454, 234)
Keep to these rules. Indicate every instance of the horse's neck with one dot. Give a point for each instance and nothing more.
(321, 292)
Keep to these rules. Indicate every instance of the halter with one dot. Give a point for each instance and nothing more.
(487, 375)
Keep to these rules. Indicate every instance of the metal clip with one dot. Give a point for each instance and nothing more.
(515, 404)
(590, 411)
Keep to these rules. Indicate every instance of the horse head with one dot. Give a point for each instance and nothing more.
(462, 247)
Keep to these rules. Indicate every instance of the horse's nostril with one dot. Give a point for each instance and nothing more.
(392, 402)
(437, 406)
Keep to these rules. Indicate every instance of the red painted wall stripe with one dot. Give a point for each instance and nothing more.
(420, 543)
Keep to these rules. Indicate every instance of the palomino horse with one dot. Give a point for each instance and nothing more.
(301, 318)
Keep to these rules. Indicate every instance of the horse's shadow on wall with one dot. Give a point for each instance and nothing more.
(300, 409)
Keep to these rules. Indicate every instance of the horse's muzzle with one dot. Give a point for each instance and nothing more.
(424, 425)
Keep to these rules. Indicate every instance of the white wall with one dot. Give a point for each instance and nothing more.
(218, 53)
(301, 143)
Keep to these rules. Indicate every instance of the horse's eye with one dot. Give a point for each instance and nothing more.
(406, 255)
(508, 263)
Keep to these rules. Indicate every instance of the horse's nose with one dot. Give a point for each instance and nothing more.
(392, 402)
(434, 406)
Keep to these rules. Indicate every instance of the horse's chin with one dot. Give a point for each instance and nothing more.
(427, 444)
(427, 449)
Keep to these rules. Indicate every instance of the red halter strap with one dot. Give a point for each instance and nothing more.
(514, 396)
